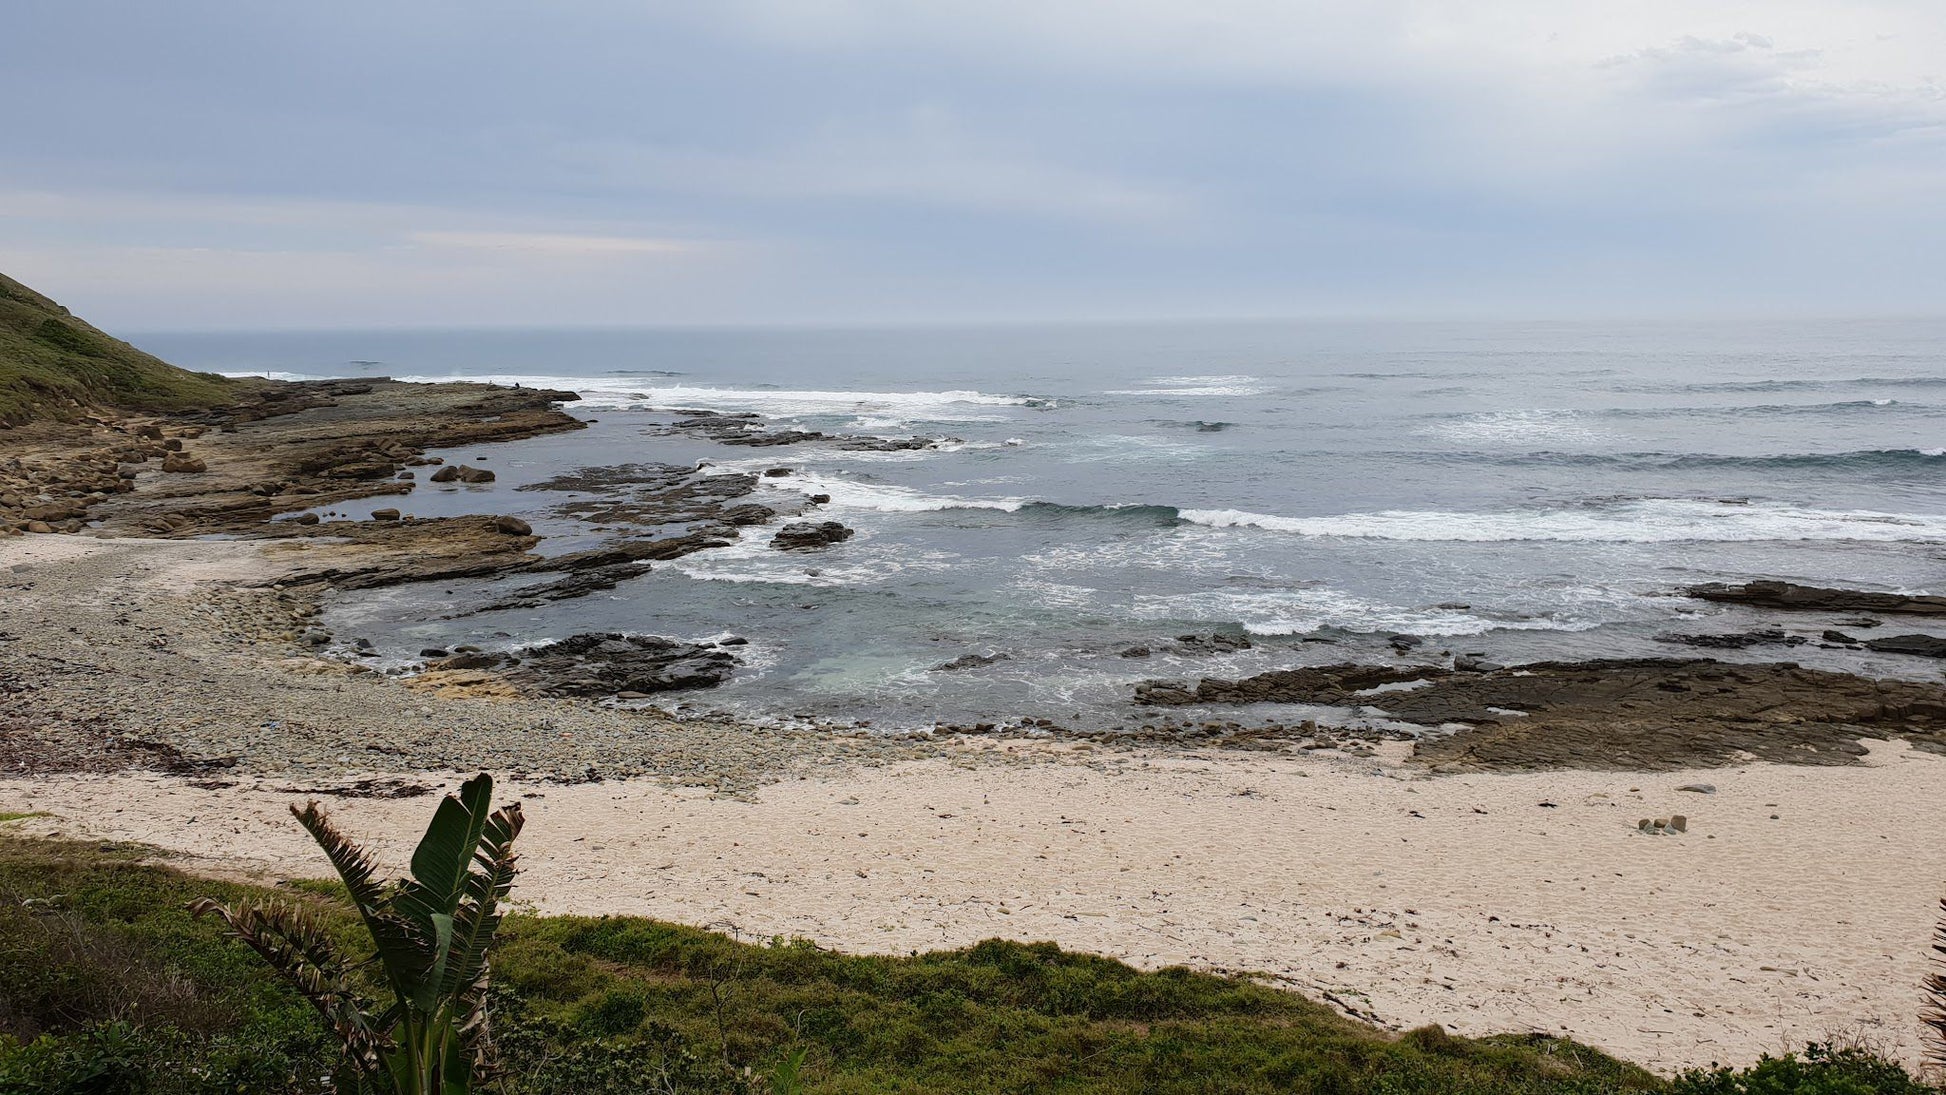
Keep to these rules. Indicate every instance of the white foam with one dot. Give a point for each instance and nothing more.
(1301, 611)
(268, 374)
(1196, 386)
(1199, 390)
(1653, 520)
(1524, 427)
(886, 498)
(625, 392)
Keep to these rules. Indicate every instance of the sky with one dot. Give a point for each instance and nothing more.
(212, 164)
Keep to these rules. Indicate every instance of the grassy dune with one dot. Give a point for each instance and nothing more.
(106, 985)
(53, 364)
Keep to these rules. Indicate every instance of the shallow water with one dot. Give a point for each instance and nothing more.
(1525, 490)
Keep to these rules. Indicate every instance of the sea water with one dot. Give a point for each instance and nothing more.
(1522, 491)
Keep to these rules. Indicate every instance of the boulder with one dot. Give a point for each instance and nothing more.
(512, 526)
(810, 536)
(177, 462)
(446, 474)
(471, 474)
(385, 515)
(969, 661)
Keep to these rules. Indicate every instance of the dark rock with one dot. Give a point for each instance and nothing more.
(1137, 652)
(970, 661)
(1622, 714)
(1839, 637)
(820, 499)
(1788, 595)
(1924, 646)
(603, 664)
(776, 473)
(474, 660)
(387, 514)
(809, 536)
(1735, 641)
(1212, 644)
(513, 526)
(306, 519)
(470, 474)
(447, 474)
(578, 583)
(435, 652)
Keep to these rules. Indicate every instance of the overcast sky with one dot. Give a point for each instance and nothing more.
(198, 164)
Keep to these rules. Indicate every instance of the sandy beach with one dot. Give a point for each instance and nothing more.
(1798, 906)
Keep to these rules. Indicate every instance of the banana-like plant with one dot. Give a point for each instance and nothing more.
(430, 932)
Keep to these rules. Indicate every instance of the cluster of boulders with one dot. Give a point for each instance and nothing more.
(52, 492)
(603, 664)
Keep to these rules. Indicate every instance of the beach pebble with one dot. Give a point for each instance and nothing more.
(1699, 788)
(1679, 823)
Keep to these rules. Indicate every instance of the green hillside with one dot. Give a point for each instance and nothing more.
(50, 361)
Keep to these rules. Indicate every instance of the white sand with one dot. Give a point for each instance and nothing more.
(1486, 912)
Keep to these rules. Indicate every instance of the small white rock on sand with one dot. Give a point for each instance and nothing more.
(1458, 900)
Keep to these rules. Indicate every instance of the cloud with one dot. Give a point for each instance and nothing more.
(922, 156)
(666, 161)
(553, 243)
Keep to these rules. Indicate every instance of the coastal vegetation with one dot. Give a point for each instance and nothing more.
(429, 935)
(109, 984)
(53, 365)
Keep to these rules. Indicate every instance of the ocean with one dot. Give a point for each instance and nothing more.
(1519, 491)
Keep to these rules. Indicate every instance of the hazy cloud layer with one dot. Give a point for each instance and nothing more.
(241, 164)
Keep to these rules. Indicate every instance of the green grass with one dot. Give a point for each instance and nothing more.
(50, 361)
(16, 815)
(106, 985)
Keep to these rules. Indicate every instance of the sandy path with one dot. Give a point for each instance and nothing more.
(1459, 900)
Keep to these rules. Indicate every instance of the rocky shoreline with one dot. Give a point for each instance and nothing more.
(264, 473)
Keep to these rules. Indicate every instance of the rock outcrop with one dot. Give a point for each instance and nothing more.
(1789, 595)
(1642, 713)
(600, 664)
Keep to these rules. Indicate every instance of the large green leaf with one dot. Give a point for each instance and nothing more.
(477, 917)
(440, 863)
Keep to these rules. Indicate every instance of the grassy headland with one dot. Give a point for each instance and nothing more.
(53, 364)
(107, 985)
